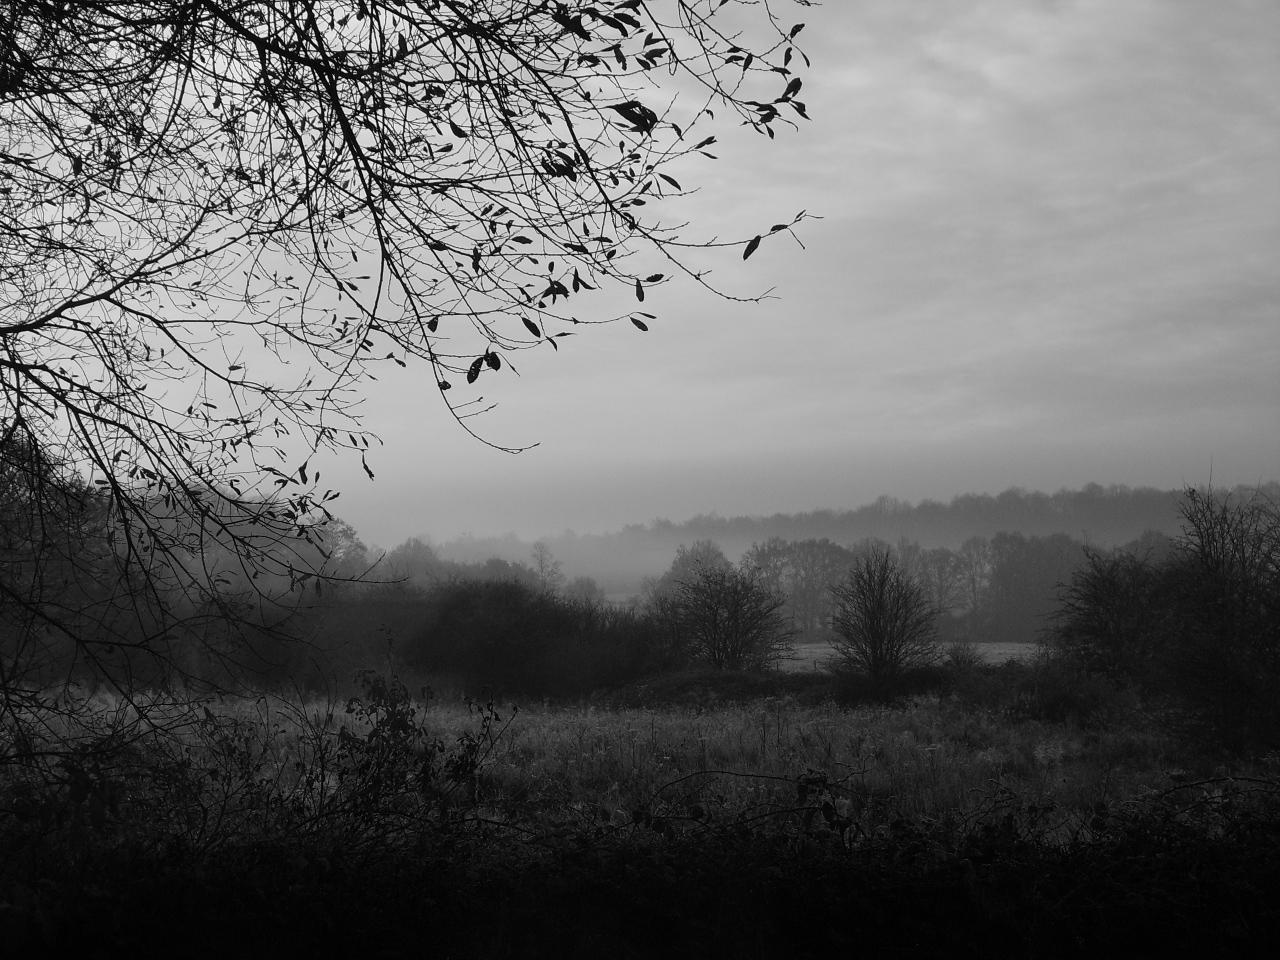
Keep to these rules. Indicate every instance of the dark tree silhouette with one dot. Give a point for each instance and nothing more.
(1112, 615)
(1224, 599)
(729, 619)
(884, 622)
(1195, 626)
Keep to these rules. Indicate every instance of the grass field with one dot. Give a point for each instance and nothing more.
(751, 816)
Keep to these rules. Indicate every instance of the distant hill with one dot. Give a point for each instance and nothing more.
(1106, 516)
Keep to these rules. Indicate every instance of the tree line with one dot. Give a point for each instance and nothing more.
(1111, 516)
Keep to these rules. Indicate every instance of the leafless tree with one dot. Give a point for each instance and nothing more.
(884, 622)
(551, 578)
(977, 562)
(727, 618)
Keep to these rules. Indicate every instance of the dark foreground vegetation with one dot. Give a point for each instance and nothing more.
(730, 816)
(662, 791)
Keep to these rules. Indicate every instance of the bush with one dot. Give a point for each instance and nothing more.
(1112, 616)
(1199, 630)
(885, 624)
(517, 639)
(962, 655)
(1049, 688)
(1223, 595)
(728, 619)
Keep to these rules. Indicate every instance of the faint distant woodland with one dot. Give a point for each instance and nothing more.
(1004, 588)
(619, 561)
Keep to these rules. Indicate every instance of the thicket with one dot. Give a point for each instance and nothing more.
(1196, 631)
(518, 640)
(726, 618)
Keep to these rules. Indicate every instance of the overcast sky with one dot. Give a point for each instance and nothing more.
(1049, 255)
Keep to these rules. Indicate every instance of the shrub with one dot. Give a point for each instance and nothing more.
(517, 639)
(1111, 616)
(1048, 688)
(1199, 629)
(729, 619)
(1224, 599)
(962, 655)
(885, 624)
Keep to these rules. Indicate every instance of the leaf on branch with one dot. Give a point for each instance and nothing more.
(445, 385)
(571, 24)
(671, 180)
(474, 370)
(640, 323)
(751, 247)
(795, 30)
(653, 278)
(637, 114)
(492, 360)
(458, 131)
(531, 327)
(639, 290)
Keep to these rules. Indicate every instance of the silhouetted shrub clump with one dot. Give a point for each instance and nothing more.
(518, 640)
(1046, 688)
(1199, 630)
(884, 622)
